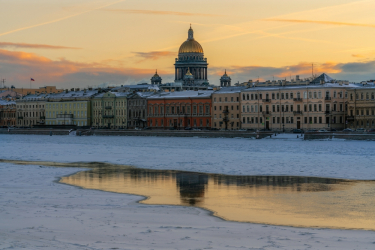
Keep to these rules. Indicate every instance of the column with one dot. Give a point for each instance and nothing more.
(175, 73)
(205, 73)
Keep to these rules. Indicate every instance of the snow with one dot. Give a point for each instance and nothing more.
(36, 212)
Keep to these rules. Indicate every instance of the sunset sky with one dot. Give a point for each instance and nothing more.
(79, 43)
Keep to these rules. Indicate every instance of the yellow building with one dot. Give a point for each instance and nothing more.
(226, 112)
(283, 106)
(70, 108)
(361, 106)
(41, 90)
(110, 110)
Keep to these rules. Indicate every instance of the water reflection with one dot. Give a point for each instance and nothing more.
(279, 200)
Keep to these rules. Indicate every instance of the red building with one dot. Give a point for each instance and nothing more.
(180, 109)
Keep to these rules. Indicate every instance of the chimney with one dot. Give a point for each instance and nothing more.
(66, 90)
(72, 89)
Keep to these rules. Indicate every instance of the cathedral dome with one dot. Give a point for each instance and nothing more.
(190, 45)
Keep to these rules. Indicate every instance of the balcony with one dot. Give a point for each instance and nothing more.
(108, 107)
(108, 116)
(350, 118)
(327, 98)
(20, 117)
(297, 112)
(266, 100)
(42, 117)
(327, 112)
(297, 99)
(265, 113)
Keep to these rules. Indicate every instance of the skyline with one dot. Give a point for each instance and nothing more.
(123, 42)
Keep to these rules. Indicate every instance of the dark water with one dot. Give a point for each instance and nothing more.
(278, 200)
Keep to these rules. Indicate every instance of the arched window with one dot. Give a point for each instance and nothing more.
(361, 96)
(367, 96)
(305, 94)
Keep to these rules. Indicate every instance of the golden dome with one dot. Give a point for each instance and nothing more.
(190, 45)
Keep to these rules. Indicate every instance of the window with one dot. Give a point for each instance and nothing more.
(207, 110)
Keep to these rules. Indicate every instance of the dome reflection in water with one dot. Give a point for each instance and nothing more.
(278, 200)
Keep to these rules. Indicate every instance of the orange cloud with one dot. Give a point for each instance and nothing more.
(321, 22)
(160, 12)
(20, 66)
(154, 55)
(33, 46)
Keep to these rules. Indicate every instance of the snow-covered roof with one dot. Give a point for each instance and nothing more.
(294, 87)
(323, 77)
(6, 102)
(117, 94)
(139, 86)
(73, 94)
(228, 90)
(33, 97)
(183, 94)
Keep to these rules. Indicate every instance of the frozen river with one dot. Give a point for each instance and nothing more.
(36, 212)
(291, 157)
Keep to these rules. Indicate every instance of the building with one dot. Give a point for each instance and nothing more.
(226, 112)
(225, 80)
(180, 109)
(142, 87)
(70, 107)
(191, 58)
(156, 79)
(137, 109)
(25, 91)
(7, 113)
(9, 94)
(282, 105)
(109, 110)
(31, 110)
(361, 106)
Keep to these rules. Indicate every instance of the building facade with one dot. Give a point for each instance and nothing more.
(180, 109)
(70, 108)
(191, 58)
(7, 113)
(226, 112)
(361, 106)
(137, 109)
(31, 110)
(109, 110)
(283, 106)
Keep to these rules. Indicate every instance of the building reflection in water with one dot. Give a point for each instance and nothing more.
(279, 200)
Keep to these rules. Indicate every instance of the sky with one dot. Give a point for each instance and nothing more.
(79, 43)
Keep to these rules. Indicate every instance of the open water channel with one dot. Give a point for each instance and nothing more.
(277, 200)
